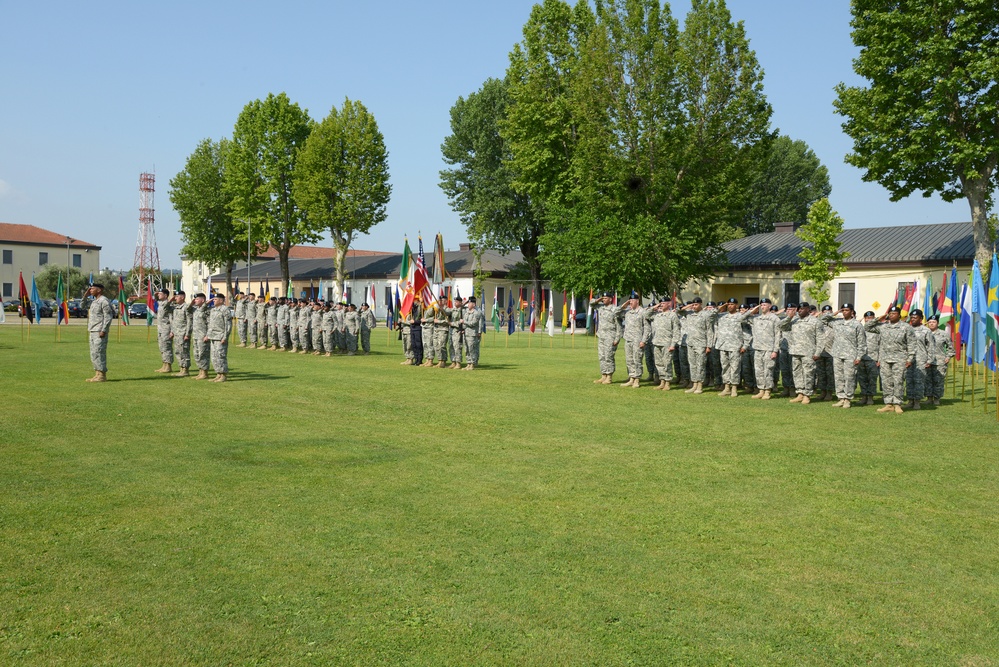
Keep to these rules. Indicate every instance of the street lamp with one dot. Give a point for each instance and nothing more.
(248, 256)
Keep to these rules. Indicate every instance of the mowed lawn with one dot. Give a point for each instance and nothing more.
(351, 511)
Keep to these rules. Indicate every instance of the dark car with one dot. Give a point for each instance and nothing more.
(76, 308)
(10, 305)
(49, 307)
(137, 310)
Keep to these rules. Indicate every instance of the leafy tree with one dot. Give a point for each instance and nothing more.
(211, 234)
(48, 281)
(342, 178)
(789, 180)
(927, 121)
(822, 261)
(480, 183)
(667, 127)
(259, 172)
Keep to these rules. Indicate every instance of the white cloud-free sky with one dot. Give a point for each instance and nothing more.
(96, 93)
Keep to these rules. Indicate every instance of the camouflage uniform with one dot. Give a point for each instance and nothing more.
(849, 345)
(636, 336)
(456, 335)
(936, 376)
(352, 328)
(473, 322)
(665, 329)
(700, 336)
(241, 321)
(293, 310)
(867, 372)
(283, 323)
(825, 380)
(896, 348)
(163, 309)
(441, 334)
(327, 329)
(219, 327)
(199, 329)
(368, 322)
(428, 326)
(608, 330)
(251, 322)
(180, 329)
(802, 345)
(766, 345)
(748, 371)
(99, 320)
(731, 342)
(682, 354)
(915, 375)
(273, 327)
(316, 325)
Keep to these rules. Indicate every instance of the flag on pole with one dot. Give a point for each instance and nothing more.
(976, 350)
(533, 320)
(291, 288)
(509, 315)
(910, 290)
(550, 324)
(438, 260)
(496, 317)
(150, 303)
(565, 312)
(371, 302)
(235, 288)
(929, 308)
(63, 306)
(36, 301)
(544, 310)
(208, 288)
(964, 317)
(992, 306)
(572, 313)
(122, 306)
(944, 307)
(589, 312)
(267, 290)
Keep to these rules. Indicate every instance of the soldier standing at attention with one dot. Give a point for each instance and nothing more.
(219, 326)
(318, 339)
(99, 321)
(272, 323)
(608, 332)
(429, 326)
(199, 329)
(942, 351)
(283, 324)
(636, 337)
(803, 347)
(748, 370)
(405, 326)
(352, 328)
(441, 334)
(915, 380)
(180, 333)
(163, 306)
(456, 332)
(665, 325)
(251, 321)
(327, 328)
(731, 341)
(368, 323)
(294, 309)
(896, 352)
(825, 381)
(847, 351)
(473, 321)
(700, 340)
(241, 321)
(867, 372)
(784, 357)
(766, 346)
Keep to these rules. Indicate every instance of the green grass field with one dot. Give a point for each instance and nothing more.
(351, 511)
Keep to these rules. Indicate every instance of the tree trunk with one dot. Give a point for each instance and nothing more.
(976, 192)
(228, 280)
(283, 251)
(339, 262)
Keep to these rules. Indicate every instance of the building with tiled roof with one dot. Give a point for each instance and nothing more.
(27, 249)
(880, 260)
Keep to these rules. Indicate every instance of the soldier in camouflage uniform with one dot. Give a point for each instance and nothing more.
(241, 321)
(847, 351)
(316, 326)
(219, 327)
(473, 324)
(665, 326)
(368, 323)
(896, 352)
(712, 369)
(682, 355)
(180, 333)
(636, 336)
(327, 328)
(803, 346)
(283, 324)
(352, 329)
(164, 304)
(825, 377)
(867, 372)
(766, 337)
(99, 319)
(272, 324)
(294, 308)
(608, 330)
(731, 342)
(428, 327)
(405, 325)
(942, 352)
(915, 376)
(700, 341)
(748, 370)
(442, 321)
(456, 332)
(305, 327)
(199, 329)
(251, 320)
(784, 357)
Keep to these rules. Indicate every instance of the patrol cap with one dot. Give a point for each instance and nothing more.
(826, 307)
(916, 312)
(696, 299)
(847, 305)
(869, 313)
(732, 299)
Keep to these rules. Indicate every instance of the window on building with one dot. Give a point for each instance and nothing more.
(8, 256)
(43, 258)
(388, 296)
(78, 261)
(349, 289)
(792, 293)
(8, 290)
(501, 298)
(847, 293)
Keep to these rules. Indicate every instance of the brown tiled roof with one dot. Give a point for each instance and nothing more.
(316, 252)
(31, 235)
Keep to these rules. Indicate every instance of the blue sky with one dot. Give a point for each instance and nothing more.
(96, 93)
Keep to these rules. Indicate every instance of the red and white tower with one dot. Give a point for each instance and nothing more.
(147, 257)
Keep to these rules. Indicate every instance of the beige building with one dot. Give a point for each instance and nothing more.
(27, 250)
(881, 260)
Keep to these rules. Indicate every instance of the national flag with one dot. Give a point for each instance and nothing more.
(992, 306)
(208, 288)
(267, 290)
(977, 346)
(509, 315)
(565, 312)
(312, 288)
(438, 260)
(910, 290)
(572, 313)
(371, 303)
(522, 310)
(496, 317)
(63, 305)
(589, 312)
(235, 288)
(550, 323)
(964, 316)
(945, 307)
(929, 308)
(533, 320)
(36, 301)
(261, 290)
(544, 310)
(151, 302)
(122, 306)
(291, 288)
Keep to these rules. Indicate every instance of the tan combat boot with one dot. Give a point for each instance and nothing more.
(766, 395)
(838, 404)
(698, 388)
(202, 374)
(734, 391)
(99, 376)
(899, 410)
(887, 408)
(805, 400)
(665, 386)
(724, 392)
(469, 367)
(442, 365)
(758, 394)
(167, 368)
(218, 378)
(691, 388)
(797, 398)
(184, 372)
(846, 403)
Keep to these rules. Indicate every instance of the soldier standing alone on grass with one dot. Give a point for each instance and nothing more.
(98, 324)
(473, 322)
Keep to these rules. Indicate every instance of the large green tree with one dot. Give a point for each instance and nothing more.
(929, 119)
(342, 177)
(479, 182)
(204, 205)
(667, 126)
(259, 172)
(789, 179)
(48, 281)
(822, 260)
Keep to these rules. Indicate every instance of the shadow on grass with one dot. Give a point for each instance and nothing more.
(231, 377)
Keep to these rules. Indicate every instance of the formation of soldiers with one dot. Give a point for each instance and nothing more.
(437, 332)
(201, 326)
(809, 352)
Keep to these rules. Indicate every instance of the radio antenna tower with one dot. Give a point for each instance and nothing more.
(147, 257)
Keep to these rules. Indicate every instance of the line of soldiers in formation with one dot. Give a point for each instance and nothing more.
(810, 352)
(434, 333)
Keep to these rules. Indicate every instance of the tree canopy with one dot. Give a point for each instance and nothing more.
(821, 261)
(928, 121)
(789, 179)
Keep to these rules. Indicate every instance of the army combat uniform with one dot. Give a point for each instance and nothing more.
(473, 322)
(608, 330)
(802, 346)
(896, 348)
(849, 345)
(99, 320)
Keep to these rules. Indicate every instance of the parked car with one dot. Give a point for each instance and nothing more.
(49, 307)
(10, 305)
(76, 308)
(137, 310)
